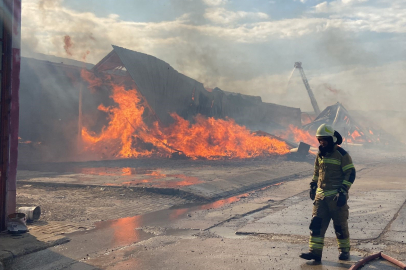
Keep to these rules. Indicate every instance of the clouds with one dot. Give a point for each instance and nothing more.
(365, 88)
(44, 27)
(361, 15)
(322, 7)
(239, 49)
(89, 32)
(215, 2)
(218, 14)
(51, 21)
(353, 1)
(224, 16)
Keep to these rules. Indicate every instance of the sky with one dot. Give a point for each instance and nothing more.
(353, 51)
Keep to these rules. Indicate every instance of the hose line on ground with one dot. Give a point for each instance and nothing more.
(376, 256)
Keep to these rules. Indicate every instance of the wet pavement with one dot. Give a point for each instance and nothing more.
(125, 231)
(370, 214)
(271, 224)
(205, 179)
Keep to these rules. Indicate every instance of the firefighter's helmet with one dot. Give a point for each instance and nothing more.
(326, 131)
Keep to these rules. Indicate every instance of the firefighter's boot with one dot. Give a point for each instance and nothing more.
(310, 256)
(344, 256)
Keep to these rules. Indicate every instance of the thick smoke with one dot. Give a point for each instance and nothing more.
(239, 54)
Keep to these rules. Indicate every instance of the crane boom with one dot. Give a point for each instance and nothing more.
(316, 108)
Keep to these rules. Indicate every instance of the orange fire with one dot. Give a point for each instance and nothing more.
(91, 79)
(298, 135)
(306, 119)
(128, 136)
(358, 137)
(355, 135)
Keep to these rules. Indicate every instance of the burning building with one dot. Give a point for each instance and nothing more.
(49, 98)
(168, 91)
(352, 131)
(139, 106)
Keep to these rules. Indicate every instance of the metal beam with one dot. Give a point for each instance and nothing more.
(316, 108)
(9, 87)
(5, 106)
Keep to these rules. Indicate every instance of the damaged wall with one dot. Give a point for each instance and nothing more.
(49, 95)
(167, 91)
(50, 100)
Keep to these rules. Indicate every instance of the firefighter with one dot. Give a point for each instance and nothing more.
(334, 173)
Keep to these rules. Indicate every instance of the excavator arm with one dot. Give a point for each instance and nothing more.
(316, 108)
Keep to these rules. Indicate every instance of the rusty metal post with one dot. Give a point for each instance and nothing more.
(10, 68)
(5, 106)
(15, 107)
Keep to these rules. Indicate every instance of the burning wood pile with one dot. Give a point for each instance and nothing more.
(351, 131)
(130, 133)
(138, 107)
(155, 111)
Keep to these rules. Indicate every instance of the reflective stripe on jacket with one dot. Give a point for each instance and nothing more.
(332, 171)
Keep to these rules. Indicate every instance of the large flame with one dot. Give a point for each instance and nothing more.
(128, 136)
(209, 137)
(298, 135)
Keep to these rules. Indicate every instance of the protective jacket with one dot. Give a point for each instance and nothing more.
(332, 171)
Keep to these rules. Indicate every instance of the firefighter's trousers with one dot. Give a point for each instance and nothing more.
(325, 209)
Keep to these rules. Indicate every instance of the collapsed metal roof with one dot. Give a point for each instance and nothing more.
(167, 91)
(341, 120)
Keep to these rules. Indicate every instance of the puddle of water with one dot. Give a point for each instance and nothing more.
(221, 203)
(109, 171)
(103, 170)
(185, 181)
(127, 230)
(159, 180)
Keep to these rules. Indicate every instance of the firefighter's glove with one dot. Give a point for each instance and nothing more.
(341, 197)
(343, 189)
(313, 188)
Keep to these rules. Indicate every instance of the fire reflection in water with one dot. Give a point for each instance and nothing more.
(125, 230)
(104, 170)
(154, 178)
(175, 214)
(221, 203)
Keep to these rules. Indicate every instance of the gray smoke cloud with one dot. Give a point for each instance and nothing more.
(247, 52)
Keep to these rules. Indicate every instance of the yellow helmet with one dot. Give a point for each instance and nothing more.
(326, 131)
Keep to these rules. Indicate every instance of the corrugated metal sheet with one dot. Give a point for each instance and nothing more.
(168, 91)
(341, 120)
(49, 95)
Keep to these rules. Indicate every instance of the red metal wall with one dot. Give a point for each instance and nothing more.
(9, 105)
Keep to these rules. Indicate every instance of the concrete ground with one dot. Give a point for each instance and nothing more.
(265, 227)
(205, 179)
